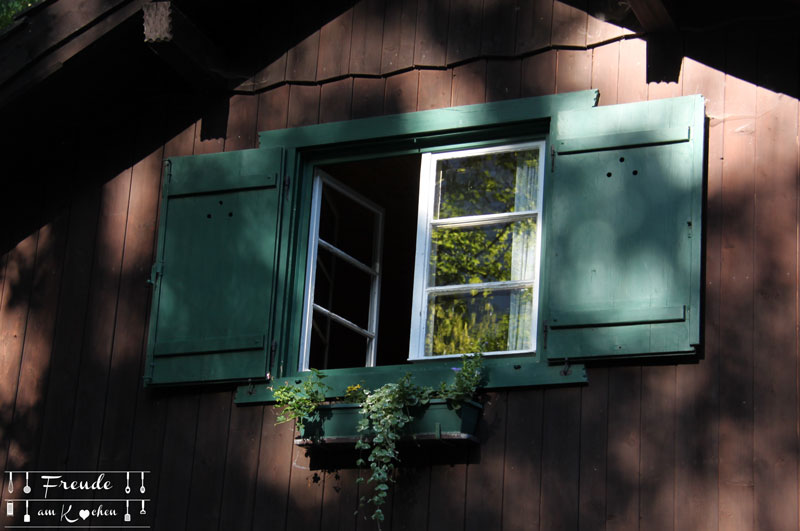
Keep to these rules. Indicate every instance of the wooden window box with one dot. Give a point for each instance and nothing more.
(438, 421)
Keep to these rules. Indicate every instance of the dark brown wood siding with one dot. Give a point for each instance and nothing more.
(706, 445)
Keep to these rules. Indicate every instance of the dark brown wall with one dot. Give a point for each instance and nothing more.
(705, 445)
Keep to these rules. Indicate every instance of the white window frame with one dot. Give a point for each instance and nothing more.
(425, 223)
(322, 179)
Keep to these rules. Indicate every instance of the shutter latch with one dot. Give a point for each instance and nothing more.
(155, 272)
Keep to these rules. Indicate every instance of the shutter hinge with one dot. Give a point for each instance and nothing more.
(272, 349)
(552, 158)
(155, 272)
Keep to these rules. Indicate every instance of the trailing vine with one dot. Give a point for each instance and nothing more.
(385, 412)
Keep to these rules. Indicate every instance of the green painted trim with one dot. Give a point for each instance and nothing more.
(195, 174)
(216, 367)
(216, 344)
(617, 317)
(424, 123)
(623, 140)
(501, 372)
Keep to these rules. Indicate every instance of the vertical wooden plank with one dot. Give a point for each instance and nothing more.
(368, 96)
(334, 47)
(208, 464)
(303, 105)
(410, 492)
(622, 463)
(465, 25)
(569, 23)
(23, 435)
(100, 323)
(241, 466)
(593, 450)
(273, 472)
(175, 470)
(430, 45)
(657, 449)
(539, 74)
(560, 455)
(697, 424)
(484, 498)
(273, 109)
(336, 101)
(435, 88)
(632, 71)
(503, 79)
(605, 68)
(340, 500)
(13, 320)
(305, 493)
(133, 301)
(68, 339)
(775, 446)
(401, 93)
(534, 25)
(365, 51)
(499, 23)
(242, 119)
(736, 295)
(446, 503)
(522, 480)
(301, 60)
(469, 83)
(399, 34)
(574, 70)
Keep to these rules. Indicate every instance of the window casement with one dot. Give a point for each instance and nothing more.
(544, 232)
(475, 279)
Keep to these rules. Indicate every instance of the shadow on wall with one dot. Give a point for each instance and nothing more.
(73, 312)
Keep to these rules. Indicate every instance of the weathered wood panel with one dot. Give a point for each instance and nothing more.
(736, 297)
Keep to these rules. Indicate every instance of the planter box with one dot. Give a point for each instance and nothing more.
(436, 421)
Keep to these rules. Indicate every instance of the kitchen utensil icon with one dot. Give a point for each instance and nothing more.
(10, 508)
(127, 482)
(141, 489)
(27, 488)
(127, 513)
(27, 517)
(10, 482)
(142, 511)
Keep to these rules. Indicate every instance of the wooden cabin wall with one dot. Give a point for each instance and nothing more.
(706, 445)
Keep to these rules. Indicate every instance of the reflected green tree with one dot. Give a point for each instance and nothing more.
(472, 252)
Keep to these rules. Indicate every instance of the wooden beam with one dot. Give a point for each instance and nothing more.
(653, 15)
(174, 37)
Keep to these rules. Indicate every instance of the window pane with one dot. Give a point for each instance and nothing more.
(491, 183)
(488, 253)
(342, 289)
(481, 321)
(347, 225)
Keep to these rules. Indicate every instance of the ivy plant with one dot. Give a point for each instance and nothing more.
(385, 412)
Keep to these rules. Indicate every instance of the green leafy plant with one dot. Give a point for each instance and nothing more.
(385, 412)
(388, 409)
(300, 402)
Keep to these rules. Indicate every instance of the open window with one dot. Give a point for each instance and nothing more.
(541, 232)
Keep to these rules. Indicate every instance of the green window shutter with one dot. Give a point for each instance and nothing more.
(216, 271)
(623, 231)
